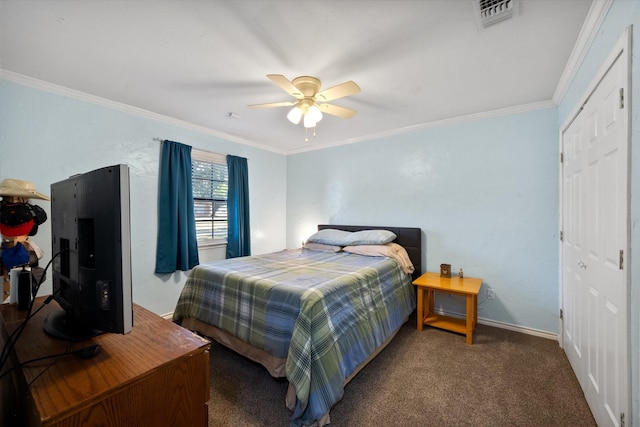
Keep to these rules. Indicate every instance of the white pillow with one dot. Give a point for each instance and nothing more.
(372, 237)
(331, 236)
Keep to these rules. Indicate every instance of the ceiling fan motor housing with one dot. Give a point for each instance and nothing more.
(307, 85)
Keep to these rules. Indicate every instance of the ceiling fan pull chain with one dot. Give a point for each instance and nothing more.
(306, 135)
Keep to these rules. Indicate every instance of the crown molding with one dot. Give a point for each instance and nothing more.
(588, 32)
(107, 103)
(436, 124)
(113, 105)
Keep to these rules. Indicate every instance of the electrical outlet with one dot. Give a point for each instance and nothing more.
(491, 294)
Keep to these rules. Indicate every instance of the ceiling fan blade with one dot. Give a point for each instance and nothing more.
(339, 91)
(285, 84)
(334, 110)
(272, 104)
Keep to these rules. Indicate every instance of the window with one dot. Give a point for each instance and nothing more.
(210, 183)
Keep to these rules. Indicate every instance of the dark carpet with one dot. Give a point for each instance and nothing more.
(429, 378)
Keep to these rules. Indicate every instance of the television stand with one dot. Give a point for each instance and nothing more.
(156, 375)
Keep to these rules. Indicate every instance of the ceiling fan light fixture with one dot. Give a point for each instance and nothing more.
(295, 115)
(309, 122)
(315, 113)
(306, 90)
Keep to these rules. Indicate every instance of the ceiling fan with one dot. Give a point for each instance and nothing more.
(310, 102)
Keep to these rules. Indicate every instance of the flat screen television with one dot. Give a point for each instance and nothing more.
(91, 246)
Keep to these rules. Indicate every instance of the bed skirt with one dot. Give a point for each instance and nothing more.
(274, 365)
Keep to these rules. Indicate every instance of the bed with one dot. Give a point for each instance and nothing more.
(314, 315)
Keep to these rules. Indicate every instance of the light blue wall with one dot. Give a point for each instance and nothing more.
(45, 138)
(623, 13)
(485, 194)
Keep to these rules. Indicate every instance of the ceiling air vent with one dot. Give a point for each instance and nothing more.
(494, 11)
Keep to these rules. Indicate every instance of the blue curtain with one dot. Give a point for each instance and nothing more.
(177, 246)
(239, 235)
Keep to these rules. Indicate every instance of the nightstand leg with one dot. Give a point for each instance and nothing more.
(431, 299)
(475, 311)
(420, 309)
(470, 319)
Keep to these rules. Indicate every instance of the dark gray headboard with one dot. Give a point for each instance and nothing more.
(408, 237)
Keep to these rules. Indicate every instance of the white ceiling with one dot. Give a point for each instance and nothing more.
(417, 61)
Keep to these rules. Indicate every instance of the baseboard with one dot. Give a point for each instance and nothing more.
(503, 325)
(168, 316)
(521, 329)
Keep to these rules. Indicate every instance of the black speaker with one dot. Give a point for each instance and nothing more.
(24, 289)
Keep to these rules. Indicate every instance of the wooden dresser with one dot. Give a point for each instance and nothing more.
(156, 375)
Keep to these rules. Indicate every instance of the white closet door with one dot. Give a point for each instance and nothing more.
(595, 218)
(574, 306)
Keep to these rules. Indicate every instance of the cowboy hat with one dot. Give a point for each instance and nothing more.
(19, 188)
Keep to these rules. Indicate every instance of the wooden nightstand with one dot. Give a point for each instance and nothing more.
(429, 283)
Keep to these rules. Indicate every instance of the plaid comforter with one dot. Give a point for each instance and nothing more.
(325, 312)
